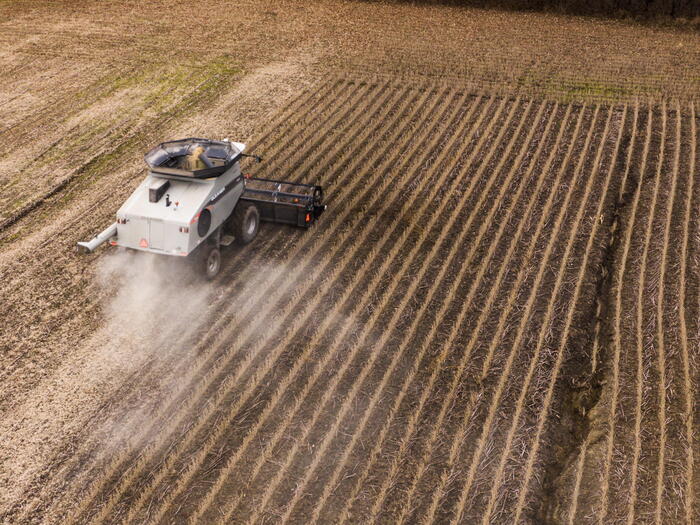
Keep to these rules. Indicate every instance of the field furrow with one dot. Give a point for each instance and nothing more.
(496, 318)
(578, 490)
(331, 316)
(617, 342)
(272, 442)
(446, 402)
(209, 362)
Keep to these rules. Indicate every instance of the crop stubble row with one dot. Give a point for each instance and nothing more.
(77, 459)
(299, 367)
(419, 346)
(650, 467)
(388, 107)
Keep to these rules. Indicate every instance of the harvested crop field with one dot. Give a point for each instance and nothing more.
(495, 321)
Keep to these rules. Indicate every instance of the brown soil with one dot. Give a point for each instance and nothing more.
(386, 364)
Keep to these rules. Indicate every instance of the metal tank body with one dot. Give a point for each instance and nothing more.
(192, 188)
(174, 210)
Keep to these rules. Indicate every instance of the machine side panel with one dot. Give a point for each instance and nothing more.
(156, 234)
(221, 209)
(134, 233)
(221, 202)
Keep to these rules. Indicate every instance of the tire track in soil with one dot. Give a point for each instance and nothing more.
(521, 410)
(628, 229)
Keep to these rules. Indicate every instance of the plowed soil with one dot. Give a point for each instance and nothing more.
(496, 320)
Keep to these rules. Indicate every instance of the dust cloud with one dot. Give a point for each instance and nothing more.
(152, 307)
(112, 384)
(150, 302)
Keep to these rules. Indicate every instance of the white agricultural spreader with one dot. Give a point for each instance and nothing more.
(195, 199)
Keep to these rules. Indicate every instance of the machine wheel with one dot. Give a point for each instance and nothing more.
(245, 222)
(212, 262)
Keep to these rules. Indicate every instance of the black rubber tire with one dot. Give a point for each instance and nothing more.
(245, 222)
(204, 223)
(211, 261)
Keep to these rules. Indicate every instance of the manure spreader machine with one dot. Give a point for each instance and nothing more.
(195, 199)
